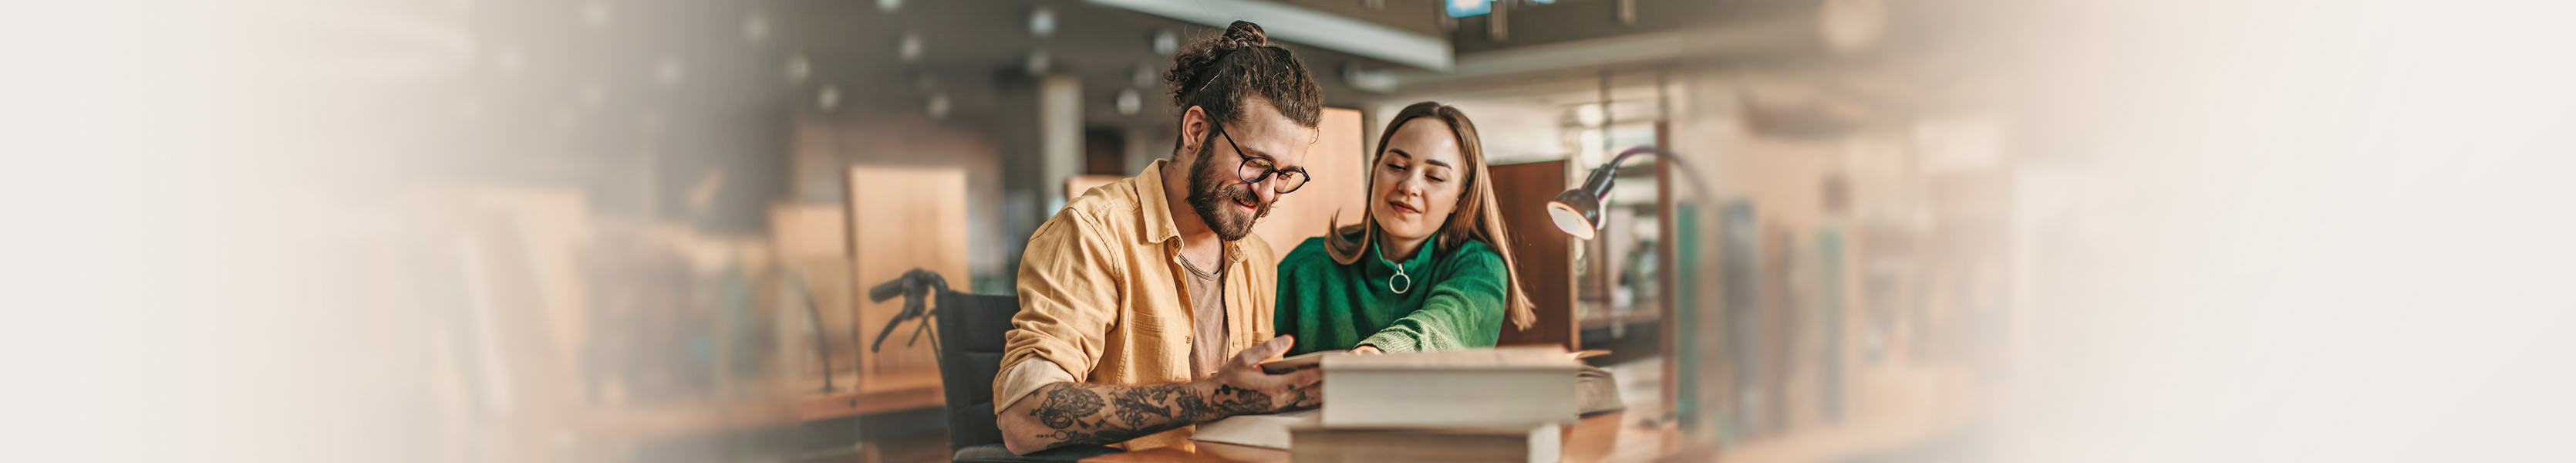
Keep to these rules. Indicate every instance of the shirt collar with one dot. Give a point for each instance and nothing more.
(1157, 213)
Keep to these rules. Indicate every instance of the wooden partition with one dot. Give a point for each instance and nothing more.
(1340, 185)
(902, 218)
(1545, 256)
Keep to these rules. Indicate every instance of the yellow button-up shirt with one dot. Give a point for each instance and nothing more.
(1101, 297)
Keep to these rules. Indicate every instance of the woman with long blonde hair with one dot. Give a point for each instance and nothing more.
(1425, 269)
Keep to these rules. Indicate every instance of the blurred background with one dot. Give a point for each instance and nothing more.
(1879, 230)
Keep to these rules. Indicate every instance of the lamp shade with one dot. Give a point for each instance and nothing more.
(1578, 211)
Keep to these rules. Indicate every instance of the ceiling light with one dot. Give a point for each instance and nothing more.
(908, 47)
(1042, 22)
(1166, 42)
(755, 28)
(1129, 102)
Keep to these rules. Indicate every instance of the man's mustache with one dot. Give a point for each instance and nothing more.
(1244, 193)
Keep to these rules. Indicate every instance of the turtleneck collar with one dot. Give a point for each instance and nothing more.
(1378, 268)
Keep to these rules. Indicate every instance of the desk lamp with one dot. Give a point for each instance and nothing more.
(1578, 211)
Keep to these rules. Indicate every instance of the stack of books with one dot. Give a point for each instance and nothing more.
(1502, 404)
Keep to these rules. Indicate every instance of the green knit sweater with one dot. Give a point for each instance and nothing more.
(1455, 301)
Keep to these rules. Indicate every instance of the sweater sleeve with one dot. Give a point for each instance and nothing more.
(1464, 309)
(1283, 314)
(1291, 302)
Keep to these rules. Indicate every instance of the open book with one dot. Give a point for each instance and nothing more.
(1316, 359)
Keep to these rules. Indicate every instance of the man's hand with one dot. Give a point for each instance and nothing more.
(1365, 350)
(1240, 386)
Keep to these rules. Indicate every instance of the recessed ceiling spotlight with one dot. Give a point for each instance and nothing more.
(828, 98)
(938, 106)
(1129, 102)
(889, 6)
(1165, 42)
(1042, 22)
(755, 28)
(908, 47)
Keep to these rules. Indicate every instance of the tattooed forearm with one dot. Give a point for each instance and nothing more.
(1079, 414)
(1065, 406)
(1230, 400)
(1143, 404)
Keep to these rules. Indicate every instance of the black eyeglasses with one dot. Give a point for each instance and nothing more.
(1254, 170)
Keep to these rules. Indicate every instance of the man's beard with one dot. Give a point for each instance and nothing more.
(1213, 194)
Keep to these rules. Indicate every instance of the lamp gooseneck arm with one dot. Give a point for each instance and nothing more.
(1692, 176)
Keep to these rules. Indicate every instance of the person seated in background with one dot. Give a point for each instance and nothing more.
(1145, 303)
(1425, 269)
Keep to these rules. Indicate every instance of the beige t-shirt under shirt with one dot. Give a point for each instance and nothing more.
(1207, 310)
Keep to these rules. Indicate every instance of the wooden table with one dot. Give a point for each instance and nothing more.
(1608, 437)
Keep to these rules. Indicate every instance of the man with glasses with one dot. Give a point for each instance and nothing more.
(1145, 304)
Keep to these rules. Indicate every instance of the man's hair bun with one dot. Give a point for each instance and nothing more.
(1242, 35)
(1216, 72)
(1197, 63)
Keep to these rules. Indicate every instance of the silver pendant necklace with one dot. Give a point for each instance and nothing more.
(1399, 273)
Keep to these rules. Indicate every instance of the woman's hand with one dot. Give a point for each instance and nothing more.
(1366, 350)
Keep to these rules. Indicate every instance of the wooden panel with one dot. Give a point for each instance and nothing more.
(806, 231)
(902, 218)
(813, 242)
(1338, 162)
(1544, 256)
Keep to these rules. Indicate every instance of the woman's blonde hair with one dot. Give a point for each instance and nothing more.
(1484, 220)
